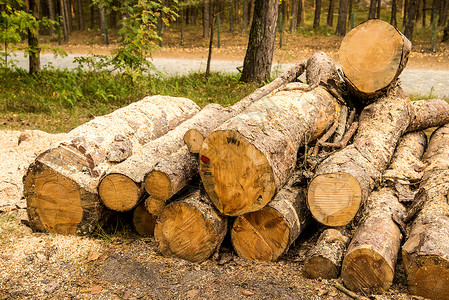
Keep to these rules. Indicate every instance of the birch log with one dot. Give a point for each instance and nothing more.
(60, 185)
(190, 229)
(266, 234)
(425, 253)
(251, 156)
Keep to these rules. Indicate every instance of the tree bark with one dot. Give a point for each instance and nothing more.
(378, 6)
(370, 65)
(330, 13)
(259, 54)
(121, 187)
(249, 157)
(445, 38)
(393, 20)
(266, 234)
(411, 15)
(372, 9)
(51, 14)
(294, 16)
(342, 16)
(80, 15)
(60, 186)
(370, 260)
(64, 20)
(102, 12)
(316, 19)
(425, 252)
(33, 42)
(302, 13)
(324, 259)
(190, 229)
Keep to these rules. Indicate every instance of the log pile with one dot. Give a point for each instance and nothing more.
(343, 150)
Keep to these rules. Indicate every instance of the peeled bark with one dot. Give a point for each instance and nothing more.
(370, 261)
(251, 156)
(190, 229)
(370, 65)
(266, 234)
(143, 221)
(121, 187)
(425, 254)
(60, 186)
(324, 260)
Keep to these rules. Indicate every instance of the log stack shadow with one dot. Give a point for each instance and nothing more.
(346, 151)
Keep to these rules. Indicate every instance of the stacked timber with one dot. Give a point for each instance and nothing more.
(61, 184)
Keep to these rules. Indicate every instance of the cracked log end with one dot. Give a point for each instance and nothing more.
(194, 140)
(320, 267)
(365, 269)
(118, 192)
(236, 175)
(334, 199)
(261, 235)
(158, 185)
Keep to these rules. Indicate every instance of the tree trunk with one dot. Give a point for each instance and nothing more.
(231, 16)
(122, 185)
(206, 21)
(444, 12)
(424, 253)
(266, 234)
(393, 20)
(294, 17)
(65, 24)
(249, 157)
(330, 13)
(324, 259)
(353, 172)
(143, 221)
(445, 38)
(246, 16)
(190, 229)
(371, 74)
(80, 15)
(51, 15)
(259, 54)
(34, 52)
(424, 13)
(378, 6)
(301, 12)
(342, 16)
(372, 9)
(370, 261)
(60, 186)
(411, 15)
(316, 19)
(102, 12)
(92, 16)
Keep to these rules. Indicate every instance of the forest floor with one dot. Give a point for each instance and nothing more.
(122, 265)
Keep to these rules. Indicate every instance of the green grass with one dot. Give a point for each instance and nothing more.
(57, 101)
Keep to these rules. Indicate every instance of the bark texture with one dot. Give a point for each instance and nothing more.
(370, 65)
(344, 180)
(60, 185)
(324, 260)
(249, 157)
(268, 233)
(425, 254)
(428, 113)
(190, 229)
(121, 187)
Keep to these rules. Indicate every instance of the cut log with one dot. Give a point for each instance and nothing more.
(266, 234)
(194, 137)
(425, 254)
(190, 229)
(120, 189)
(370, 261)
(344, 180)
(154, 205)
(249, 157)
(60, 185)
(370, 64)
(143, 221)
(428, 113)
(324, 259)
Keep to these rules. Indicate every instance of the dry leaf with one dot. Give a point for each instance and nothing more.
(96, 290)
(192, 294)
(247, 292)
(92, 256)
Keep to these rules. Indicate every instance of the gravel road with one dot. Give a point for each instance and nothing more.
(422, 82)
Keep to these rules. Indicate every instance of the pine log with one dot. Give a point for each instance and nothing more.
(251, 156)
(324, 259)
(120, 188)
(154, 205)
(266, 234)
(344, 180)
(60, 185)
(370, 260)
(194, 137)
(190, 229)
(428, 113)
(371, 65)
(425, 254)
(143, 221)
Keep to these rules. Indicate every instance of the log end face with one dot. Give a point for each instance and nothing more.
(143, 221)
(262, 235)
(182, 231)
(193, 140)
(53, 201)
(118, 192)
(364, 269)
(320, 267)
(154, 206)
(334, 199)
(158, 185)
(236, 175)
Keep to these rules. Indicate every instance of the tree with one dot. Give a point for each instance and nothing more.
(294, 16)
(393, 20)
(330, 13)
(445, 38)
(411, 14)
(372, 9)
(342, 16)
(316, 20)
(259, 53)
(34, 52)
